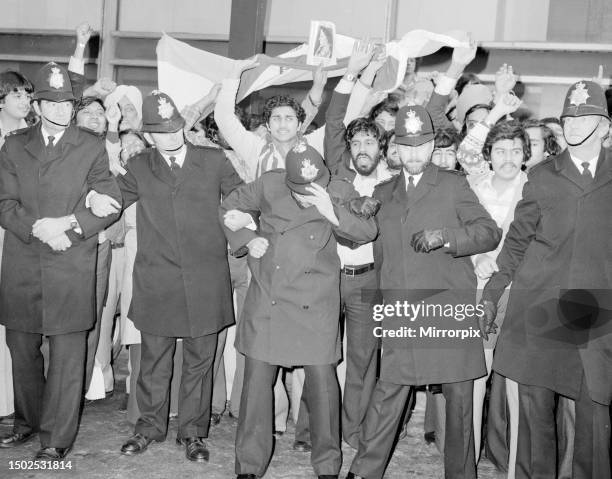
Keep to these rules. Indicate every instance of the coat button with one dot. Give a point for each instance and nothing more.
(273, 303)
(305, 306)
(311, 237)
(307, 272)
(277, 267)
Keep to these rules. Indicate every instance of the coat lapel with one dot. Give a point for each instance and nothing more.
(603, 173)
(298, 216)
(566, 168)
(186, 170)
(35, 144)
(429, 179)
(161, 170)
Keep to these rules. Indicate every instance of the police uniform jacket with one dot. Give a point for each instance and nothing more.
(43, 291)
(442, 199)
(181, 281)
(291, 312)
(558, 255)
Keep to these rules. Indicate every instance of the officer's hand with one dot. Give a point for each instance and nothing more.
(427, 240)
(235, 220)
(46, 229)
(103, 205)
(485, 266)
(486, 321)
(258, 247)
(322, 202)
(83, 33)
(60, 243)
(364, 206)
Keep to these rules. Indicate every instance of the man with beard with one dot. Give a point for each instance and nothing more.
(557, 337)
(359, 146)
(430, 222)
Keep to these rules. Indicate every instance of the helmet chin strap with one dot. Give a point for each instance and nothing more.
(585, 138)
(56, 123)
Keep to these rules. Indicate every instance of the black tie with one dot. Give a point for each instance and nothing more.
(411, 186)
(50, 144)
(587, 177)
(174, 166)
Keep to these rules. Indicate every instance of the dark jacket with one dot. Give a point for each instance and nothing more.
(558, 256)
(291, 312)
(181, 281)
(442, 199)
(43, 291)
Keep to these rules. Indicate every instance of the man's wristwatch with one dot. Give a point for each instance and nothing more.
(74, 225)
(350, 77)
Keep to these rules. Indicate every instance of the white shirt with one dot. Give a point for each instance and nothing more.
(416, 178)
(592, 164)
(179, 156)
(364, 185)
(56, 136)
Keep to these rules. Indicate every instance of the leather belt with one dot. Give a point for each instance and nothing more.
(350, 270)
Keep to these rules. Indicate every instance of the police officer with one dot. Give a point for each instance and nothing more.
(291, 313)
(430, 222)
(181, 280)
(557, 335)
(49, 260)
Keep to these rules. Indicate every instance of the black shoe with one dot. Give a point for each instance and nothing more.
(215, 418)
(430, 437)
(195, 448)
(15, 439)
(52, 453)
(350, 475)
(135, 445)
(246, 476)
(8, 420)
(328, 476)
(302, 446)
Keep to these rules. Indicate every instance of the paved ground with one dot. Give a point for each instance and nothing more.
(104, 428)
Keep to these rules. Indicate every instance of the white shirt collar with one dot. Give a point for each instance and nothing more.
(179, 156)
(592, 164)
(416, 178)
(56, 136)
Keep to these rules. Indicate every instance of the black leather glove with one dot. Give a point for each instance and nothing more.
(364, 206)
(486, 322)
(427, 240)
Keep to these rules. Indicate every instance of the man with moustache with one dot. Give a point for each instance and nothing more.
(430, 222)
(557, 335)
(49, 262)
(181, 279)
(359, 148)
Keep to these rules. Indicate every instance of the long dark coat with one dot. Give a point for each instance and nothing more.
(43, 291)
(291, 312)
(559, 246)
(181, 281)
(442, 199)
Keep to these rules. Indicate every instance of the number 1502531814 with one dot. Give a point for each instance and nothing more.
(40, 465)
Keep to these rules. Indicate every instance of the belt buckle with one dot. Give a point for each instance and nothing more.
(350, 271)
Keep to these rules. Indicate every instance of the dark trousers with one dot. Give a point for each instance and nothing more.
(536, 454)
(153, 387)
(384, 419)
(361, 353)
(49, 406)
(254, 438)
(93, 336)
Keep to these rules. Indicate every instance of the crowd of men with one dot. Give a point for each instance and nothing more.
(445, 193)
